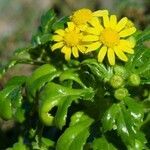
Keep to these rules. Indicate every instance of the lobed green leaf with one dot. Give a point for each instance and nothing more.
(102, 144)
(126, 118)
(76, 134)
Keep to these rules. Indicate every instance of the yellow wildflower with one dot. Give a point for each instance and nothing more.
(83, 16)
(110, 38)
(69, 41)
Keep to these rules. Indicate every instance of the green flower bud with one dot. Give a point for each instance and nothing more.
(116, 81)
(121, 71)
(134, 80)
(121, 93)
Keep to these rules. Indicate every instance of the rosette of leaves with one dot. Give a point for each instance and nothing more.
(72, 105)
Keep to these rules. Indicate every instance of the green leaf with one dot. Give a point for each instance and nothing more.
(39, 78)
(14, 62)
(22, 55)
(40, 82)
(61, 115)
(102, 144)
(16, 80)
(139, 63)
(11, 103)
(98, 69)
(47, 20)
(71, 75)
(41, 39)
(5, 108)
(57, 95)
(47, 142)
(42, 143)
(20, 51)
(126, 117)
(44, 34)
(18, 146)
(60, 23)
(109, 119)
(136, 110)
(5, 102)
(10, 64)
(42, 70)
(143, 36)
(75, 135)
(19, 115)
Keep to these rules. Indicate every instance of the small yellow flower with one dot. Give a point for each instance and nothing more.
(83, 16)
(111, 38)
(69, 41)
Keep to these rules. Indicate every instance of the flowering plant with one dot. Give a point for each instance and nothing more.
(77, 98)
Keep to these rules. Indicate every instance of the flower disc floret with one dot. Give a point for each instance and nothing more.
(72, 38)
(110, 38)
(69, 41)
(82, 16)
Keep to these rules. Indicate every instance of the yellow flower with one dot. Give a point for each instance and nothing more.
(111, 38)
(82, 16)
(69, 41)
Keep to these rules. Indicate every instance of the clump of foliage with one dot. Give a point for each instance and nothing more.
(78, 103)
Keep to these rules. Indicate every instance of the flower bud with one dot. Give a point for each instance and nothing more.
(134, 80)
(121, 93)
(121, 71)
(116, 81)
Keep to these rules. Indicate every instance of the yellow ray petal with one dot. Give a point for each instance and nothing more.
(93, 46)
(92, 31)
(132, 41)
(71, 26)
(121, 24)
(75, 52)
(102, 53)
(81, 48)
(120, 54)
(57, 38)
(125, 44)
(95, 23)
(67, 51)
(111, 56)
(89, 38)
(57, 45)
(67, 30)
(63, 50)
(100, 13)
(128, 50)
(82, 27)
(60, 32)
(106, 21)
(68, 55)
(127, 32)
(113, 21)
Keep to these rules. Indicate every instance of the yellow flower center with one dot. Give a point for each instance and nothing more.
(72, 38)
(81, 16)
(109, 37)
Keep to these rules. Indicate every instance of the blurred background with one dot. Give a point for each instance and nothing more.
(19, 19)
